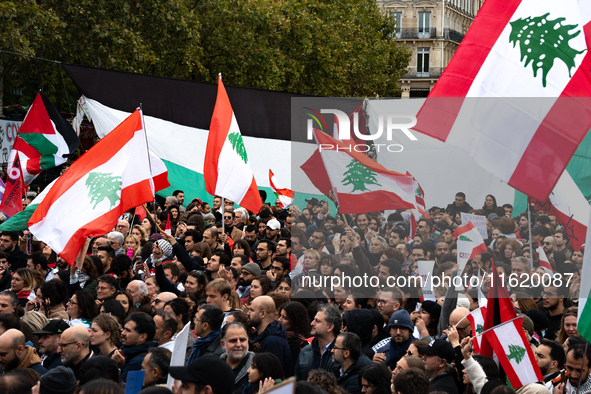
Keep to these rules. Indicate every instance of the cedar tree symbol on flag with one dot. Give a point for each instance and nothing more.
(476, 319)
(517, 88)
(470, 244)
(285, 195)
(114, 176)
(357, 181)
(226, 170)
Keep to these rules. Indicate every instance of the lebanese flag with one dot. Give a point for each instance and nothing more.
(168, 228)
(226, 170)
(516, 49)
(514, 353)
(544, 262)
(470, 244)
(285, 195)
(12, 199)
(476, 319)
(584, 317)
(359, 182)
(140, 212)
(499, 309)
(113, 177)
(43, 140)
(570, 207)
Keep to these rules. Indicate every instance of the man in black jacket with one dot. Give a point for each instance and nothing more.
(5, 272)
(9, 245)
(49, 338)
(436, 358)
(347, 354)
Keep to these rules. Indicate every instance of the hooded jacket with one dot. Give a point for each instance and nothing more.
(242, 378)
(31, 360)
(274, 340)
(134, 356)
(349, 380)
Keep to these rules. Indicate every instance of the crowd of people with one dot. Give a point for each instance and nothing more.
(250, 286)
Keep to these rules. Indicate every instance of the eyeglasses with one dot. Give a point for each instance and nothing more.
(548, 294)
(157, 301)
(547, 243)
(339, 348)
(63, 345)
(227, 217)
(460, 329)
(72, 302)
(103, 288)
(276, 268)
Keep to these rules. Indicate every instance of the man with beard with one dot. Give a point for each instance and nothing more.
(74, 348)
(208, 328)
(283, 249)
(388, 303)
(264, 251)
(436, 357)
(392, 349)
(577, 369)
(248, 273)
(5, 272)
(14, 353)
(49, 338)
(549, 357)
(9, 245)
(231, 231)
(236, 354)
(553, 303)
(347, 354)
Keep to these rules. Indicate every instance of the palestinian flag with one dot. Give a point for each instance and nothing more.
(482, 104)
(359, 182)
(44, 140)
(499, 309)
(284, 195)
(476, 319)
(226, 169)
(514, 353)
(113, 177)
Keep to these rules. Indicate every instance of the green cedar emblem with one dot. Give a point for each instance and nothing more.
(418, 192)
(516, 352)
(238, 146)
(101, 186)
(464, 238)
(479, 328)
(541, 40)
(359, 175)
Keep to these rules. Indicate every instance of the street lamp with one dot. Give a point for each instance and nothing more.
(18, 92)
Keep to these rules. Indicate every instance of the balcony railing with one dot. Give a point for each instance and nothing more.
(433, 72)
(417, 33)
(453, 35)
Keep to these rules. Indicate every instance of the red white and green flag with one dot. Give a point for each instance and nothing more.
(226, 169)
(544, 262)
(114, 176)
(360, 183)
(470, 244)
(514, 353)
(476, 319)
(584, 317)
(529, 60)
(285, 195)
(570, 207)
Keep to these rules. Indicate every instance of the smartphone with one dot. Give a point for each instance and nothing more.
(337, 236)
(418, 307)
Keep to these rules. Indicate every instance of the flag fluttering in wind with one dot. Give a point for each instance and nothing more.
(113, 177)
(544, 262)
(226, 169)
(514, 353)
(470, 244)
(584, 317)
(285, 195)
(359, 182)
(516, 96)
(476, 319)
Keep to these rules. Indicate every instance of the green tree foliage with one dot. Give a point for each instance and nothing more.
(320, 47)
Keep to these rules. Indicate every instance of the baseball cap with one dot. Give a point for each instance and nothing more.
(440, 348)
(211, 371)
(53, 327)
(274, 224)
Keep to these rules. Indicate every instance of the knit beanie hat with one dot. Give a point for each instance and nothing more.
(253, 268)
(401, 318)
(58, 380)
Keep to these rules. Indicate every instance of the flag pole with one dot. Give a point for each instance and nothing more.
(531, 251)
(223, 206)
(149, 161)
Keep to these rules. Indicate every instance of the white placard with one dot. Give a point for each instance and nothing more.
(179, 351)
(426, 274)
(478, 221)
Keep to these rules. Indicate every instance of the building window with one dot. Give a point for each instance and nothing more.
(397, 17)
(424, 25)
(422, 62)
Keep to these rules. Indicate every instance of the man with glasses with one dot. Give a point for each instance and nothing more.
(553, 302)
(233, 232)
(161, 299)
(208, 327)
(392, 349)
(137, 338)
(461, 325)
(279, 268)
(347, 353)
(123, 227)
(117, 239)
(74, 348)
(264, 251)
(388, 303)
(549, 245)
(106, 287)
(49, 338)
